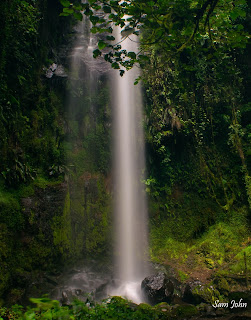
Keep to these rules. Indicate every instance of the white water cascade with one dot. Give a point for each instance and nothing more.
(130, 201)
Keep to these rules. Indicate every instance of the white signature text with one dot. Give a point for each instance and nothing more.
(231, 305)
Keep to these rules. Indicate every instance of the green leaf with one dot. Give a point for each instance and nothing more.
(68, 10)
(107, 58)
(96, 53)
(78, 7)
(131, 55)
(65, 3)
(234, 14)
(137, 80)
(101, 44)
(30, 315)
(121, 72)
(115, 65)
(114, 3)
(96, 7)
(94, 30)
(110, 38)
(88, 12)
(94, 19)
(78, 16)
(143, 57)
(107, 9)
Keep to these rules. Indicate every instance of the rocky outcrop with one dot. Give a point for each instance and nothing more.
(160, 287)
(55, 70)
(195, 292)
(157, 288)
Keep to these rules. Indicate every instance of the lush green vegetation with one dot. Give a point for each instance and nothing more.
(114, 308)
(54, 199)
(31, 113)
(168, 26)
(196, 80)
(199, 145)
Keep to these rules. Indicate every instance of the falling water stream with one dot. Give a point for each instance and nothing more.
(130, 201)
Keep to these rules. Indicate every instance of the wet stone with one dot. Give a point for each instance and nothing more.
(157, 288)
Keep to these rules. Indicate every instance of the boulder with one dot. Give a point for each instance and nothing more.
(193, 292)
(196, 292)
(157, 288)
(65, 299)
(101, 291)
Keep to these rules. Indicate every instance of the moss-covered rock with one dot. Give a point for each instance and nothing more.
(184, 311)
(195, 293)
(10, 211)
(241, 263)
(164, 307)
(222, 285)
(62, 230)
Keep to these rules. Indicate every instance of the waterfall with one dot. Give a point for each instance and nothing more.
(83, 79)
(130, 200)
(130, 212)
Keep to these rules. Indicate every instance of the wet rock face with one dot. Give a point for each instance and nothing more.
(55, 70)
(40, 208)
(157, 288)
(194, 292)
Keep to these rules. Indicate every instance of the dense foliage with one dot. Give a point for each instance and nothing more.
(30, 113)
(44, 220)
(30, 133)
(198, 136)
(112, 308)
(168, 26)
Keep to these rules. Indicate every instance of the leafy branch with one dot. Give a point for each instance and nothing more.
(167, 25)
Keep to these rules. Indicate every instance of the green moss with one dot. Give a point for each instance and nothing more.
(163, 307)
(42, 182)
(221, 244)
(164, 247)
(114, 308)
(207, 292)
(26, 191)
(184, 311)
(238, 262)
(10, 211)
(210, 263)
(38, 255)
(97, 220)
(182, 276)
(184, 218)
(62, 232)
(223, 285)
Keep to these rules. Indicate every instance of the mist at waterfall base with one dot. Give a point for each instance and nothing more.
(130, 210)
